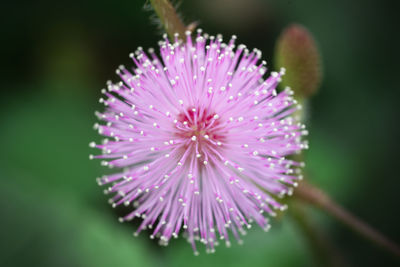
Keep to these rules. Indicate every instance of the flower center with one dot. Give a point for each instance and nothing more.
(200, 127)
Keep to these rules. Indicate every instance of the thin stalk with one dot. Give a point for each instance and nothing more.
(315, 196)
(324, 251)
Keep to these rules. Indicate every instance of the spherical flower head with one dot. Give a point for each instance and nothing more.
(202, 140)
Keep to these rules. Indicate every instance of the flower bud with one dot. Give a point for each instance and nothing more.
(297, 51)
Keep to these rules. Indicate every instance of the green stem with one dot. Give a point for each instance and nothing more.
(324, 252)
(169, 18)
(315, 196)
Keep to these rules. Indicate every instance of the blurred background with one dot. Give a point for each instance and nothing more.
(57, 55)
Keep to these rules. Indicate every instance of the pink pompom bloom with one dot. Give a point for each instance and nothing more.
(201, 139)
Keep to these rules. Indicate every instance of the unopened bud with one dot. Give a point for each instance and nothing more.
(297, 51)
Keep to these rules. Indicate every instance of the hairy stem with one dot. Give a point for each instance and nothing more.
(317, 197)
(169, 18)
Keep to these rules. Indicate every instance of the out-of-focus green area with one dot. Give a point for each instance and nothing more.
(57, 55)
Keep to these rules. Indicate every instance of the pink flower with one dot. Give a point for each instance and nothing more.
(201, 138)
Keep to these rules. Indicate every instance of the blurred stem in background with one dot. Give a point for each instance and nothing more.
(310, 194)
(323, 250)
(297, 52)
(168, 18)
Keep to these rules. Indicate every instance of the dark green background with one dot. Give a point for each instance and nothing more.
(57, 55)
